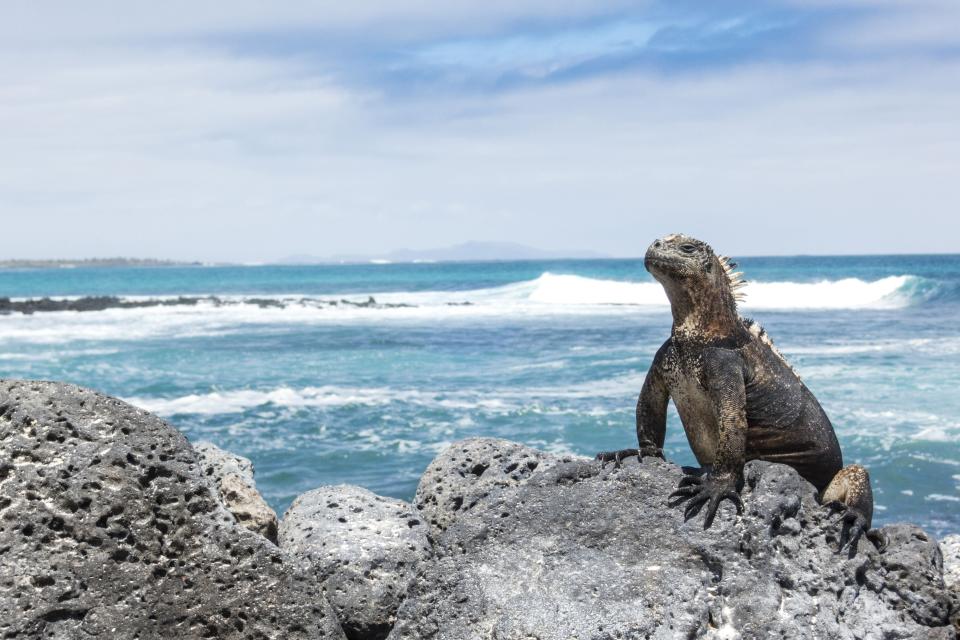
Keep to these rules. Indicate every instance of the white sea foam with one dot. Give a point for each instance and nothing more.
(943, 345)
(235, 401)
(897, 425)
(939, 497)
(55, 355)
(947, 434)
(558, 290)
(566, 290)
(502, 401)
(548, 295)
(550, 364)
(848, 293)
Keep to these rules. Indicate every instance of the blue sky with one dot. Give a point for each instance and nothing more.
(250, 130)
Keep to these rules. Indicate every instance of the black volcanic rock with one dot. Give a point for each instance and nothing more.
(577, 550)
(364, 548)
(467, 471)
(30, 306)
(109, 530)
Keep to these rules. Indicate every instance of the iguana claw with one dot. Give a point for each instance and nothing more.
(854, 527)
(709, 490)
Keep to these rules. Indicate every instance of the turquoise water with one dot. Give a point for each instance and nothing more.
(548, 353)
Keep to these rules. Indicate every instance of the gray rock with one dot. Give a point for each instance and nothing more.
(950, 547)
(108, 530)
(584, 551)
(364, 548)
(468, 470)
(233, 477)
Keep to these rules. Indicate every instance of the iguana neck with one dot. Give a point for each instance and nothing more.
(703, 317)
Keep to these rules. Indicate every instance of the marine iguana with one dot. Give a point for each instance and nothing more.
(737, 397)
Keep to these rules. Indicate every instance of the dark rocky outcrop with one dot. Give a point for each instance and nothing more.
(364, 548)
(584, 551)
(112, 526)
(88, 303)
(109, 530)
(233, 477)
(30, 306)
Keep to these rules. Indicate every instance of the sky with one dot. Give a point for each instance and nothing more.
(253, 130)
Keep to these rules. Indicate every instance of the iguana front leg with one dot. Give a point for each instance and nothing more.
(651, 418)
(724, 381)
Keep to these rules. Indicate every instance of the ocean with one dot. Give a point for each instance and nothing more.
(296, 368)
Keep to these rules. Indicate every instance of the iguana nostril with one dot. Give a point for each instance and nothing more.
(657, 244)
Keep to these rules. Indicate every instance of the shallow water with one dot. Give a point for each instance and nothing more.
(548, 353)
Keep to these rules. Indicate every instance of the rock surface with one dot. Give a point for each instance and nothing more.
(468, 470)
(364, 548)
(108, 530)
(950, 547)
(584, 551)
(233, 477)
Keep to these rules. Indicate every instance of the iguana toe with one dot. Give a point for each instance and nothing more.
(733, 496)
(709, 491)
(878, 538)
(853, 528)
(616, 456)
(687, 481)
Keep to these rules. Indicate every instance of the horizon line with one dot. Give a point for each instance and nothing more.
(12, 263)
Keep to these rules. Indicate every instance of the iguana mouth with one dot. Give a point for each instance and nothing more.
(658, 261)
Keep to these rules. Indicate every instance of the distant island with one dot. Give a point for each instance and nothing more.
(465, 252)
(93, 262)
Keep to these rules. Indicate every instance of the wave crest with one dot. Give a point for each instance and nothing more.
(848, 293)
(138, 317)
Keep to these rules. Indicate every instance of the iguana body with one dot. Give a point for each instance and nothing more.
(737, 397)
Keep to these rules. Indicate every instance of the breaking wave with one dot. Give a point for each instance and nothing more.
(44, 321)
(848, 293)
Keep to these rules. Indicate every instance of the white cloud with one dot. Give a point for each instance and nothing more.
(195, 152)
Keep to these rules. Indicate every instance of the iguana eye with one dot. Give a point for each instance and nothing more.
(688, 248)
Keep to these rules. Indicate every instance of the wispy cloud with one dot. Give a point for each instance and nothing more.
(265, 130)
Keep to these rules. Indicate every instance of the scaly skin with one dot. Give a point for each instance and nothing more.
(737, 397)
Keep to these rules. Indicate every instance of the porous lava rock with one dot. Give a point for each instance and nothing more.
(583, 550)
(468, 470)
(950, 547)
(364, 548)
(109, 530)
(233, 477)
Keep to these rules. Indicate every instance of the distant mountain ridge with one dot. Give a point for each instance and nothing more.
(464, 252)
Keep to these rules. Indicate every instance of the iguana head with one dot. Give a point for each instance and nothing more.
(696, 280)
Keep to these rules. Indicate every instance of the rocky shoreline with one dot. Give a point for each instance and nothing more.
(112, 525)
(31, 306)
(102, 303)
